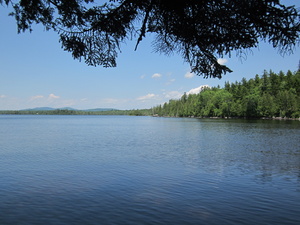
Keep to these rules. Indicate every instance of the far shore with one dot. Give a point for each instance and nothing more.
(134, 112)
(250, 118)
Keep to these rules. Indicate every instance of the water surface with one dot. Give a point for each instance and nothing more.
(144, 170)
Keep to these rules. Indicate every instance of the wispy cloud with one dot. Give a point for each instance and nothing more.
(189, 75)
(172, 95)
(52, 100)
(53, 96)
(222, 61)
(197, 89)
(156, 75)
(170, 81)
(146, 97)
(2, 96)
(33, 98)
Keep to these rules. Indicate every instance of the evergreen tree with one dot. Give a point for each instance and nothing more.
(201, 31)
(272, 95)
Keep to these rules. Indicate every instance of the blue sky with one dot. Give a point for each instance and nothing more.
(36, 72)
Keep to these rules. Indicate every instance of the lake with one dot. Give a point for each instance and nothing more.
(148, 170)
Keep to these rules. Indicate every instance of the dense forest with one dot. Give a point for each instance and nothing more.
(271, 95)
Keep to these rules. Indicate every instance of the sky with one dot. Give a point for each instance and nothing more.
(36, 72)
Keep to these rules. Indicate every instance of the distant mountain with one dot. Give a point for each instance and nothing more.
(68, 108)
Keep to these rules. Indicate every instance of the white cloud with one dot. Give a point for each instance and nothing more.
(52, 96)
(143, 76)
(146, 97)
(189, 75)
(156, 75)
(222, 61)
(170, 81)
(2, 96)
(173, 95)
(197, 89)
(36, 97)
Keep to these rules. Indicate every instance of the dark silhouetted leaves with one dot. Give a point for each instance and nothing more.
(200, 30)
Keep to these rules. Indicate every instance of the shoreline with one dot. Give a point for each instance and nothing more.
(247, 118)
(126, 113)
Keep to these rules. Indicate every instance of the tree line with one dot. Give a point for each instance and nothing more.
(131, 112)
(270, 95)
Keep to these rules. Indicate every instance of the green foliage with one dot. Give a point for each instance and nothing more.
(271, 95)
(201, 31)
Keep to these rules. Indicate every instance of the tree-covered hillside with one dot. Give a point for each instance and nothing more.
(271, 95)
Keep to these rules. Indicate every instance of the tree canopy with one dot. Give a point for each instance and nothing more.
(200, 30)
(270, 95)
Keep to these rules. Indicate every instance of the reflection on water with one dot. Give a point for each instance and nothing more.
(143, 170)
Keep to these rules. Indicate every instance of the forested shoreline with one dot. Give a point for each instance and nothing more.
(132, 112)
(269, 96)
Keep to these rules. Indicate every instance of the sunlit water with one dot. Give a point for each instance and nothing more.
(144, 170)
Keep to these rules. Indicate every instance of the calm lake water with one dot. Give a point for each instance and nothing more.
(144, 170)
